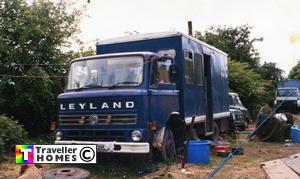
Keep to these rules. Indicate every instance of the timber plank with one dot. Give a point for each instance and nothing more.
(293, 162)
(276, 169)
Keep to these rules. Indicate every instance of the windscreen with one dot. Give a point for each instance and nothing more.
(106, 72)
(286, 92)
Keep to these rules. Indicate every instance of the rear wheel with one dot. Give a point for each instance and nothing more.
(168, 151)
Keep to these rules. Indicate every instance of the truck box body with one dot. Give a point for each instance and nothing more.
(289, 91)
(201, 90)
(179, 42)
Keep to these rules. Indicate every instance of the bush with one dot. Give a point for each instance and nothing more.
(11, 133)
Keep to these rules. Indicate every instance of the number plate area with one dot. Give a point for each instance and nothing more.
(106, 147)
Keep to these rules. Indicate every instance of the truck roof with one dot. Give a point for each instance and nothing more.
(287, 88)
(289, 83)
(155, 35)
(145, 54)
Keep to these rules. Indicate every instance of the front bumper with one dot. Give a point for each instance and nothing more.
(113, 147)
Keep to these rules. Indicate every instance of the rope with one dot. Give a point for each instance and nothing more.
(219, 167)
(40, 76)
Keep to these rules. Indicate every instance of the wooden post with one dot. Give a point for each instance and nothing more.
(187, 142)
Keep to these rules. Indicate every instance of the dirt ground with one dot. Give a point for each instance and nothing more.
(241, 166)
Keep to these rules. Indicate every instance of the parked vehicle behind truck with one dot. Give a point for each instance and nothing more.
(140, 92)
(290, 91)
(240, 116)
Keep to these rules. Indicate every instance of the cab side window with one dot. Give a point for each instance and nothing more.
(160, 72)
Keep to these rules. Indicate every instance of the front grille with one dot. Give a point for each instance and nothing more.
(96, 135)
(103, 119)
(288, 103)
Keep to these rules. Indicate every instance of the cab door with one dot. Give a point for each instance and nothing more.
(163, 95)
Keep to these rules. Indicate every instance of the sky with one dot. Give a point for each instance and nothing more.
(277, 21)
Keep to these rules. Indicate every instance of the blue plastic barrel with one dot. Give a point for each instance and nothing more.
(295, 133)
(199, 152)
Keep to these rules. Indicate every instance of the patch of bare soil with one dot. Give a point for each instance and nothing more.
(240, 166)
(9, 170)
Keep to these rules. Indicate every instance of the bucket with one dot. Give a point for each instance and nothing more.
(295, 133)
(199, 152)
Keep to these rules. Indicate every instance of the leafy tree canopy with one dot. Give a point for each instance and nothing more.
(295, 72)
(254, 83)
(236, 42)
(252, 89)
(31, 38)
(269, 71)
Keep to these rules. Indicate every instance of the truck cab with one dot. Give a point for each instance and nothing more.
(291, 95)
(140, 93)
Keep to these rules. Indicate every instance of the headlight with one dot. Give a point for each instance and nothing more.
(136, 135)
(59, 135)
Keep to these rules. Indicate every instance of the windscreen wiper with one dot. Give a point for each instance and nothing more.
(89, 86)
(122, 83)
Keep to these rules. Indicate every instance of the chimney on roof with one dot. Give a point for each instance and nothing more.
(190, 28)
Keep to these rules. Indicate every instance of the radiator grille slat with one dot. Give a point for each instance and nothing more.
(96, 135)
(102, 119)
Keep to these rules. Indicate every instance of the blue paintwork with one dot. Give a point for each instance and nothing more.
(289, 83)
(155, 103)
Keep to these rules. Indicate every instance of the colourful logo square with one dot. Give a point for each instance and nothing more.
(24, 154)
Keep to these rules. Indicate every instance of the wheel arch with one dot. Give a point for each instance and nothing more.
(178, 128)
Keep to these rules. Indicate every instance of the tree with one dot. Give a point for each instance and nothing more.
(269, 71)
(254, 83)
(236, 42)
(295, 72)
(31, 59)
(252, 89)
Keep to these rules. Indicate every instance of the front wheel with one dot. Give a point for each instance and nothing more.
(168, 151)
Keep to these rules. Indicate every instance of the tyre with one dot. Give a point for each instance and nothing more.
(66, 173)
(168, 151)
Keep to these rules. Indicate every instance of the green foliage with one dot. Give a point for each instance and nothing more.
(295, 72)
(252, 89)
(254, 83)
(11, 133)
(31, 38)
(269, 71)
(236, 42)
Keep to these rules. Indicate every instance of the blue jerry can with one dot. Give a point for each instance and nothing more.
(295, 133)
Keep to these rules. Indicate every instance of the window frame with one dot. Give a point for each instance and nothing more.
(184, 57)
(201, 70)
(155, 85)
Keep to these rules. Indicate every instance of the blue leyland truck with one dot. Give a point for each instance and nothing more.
(140, 92)
(290, 91)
